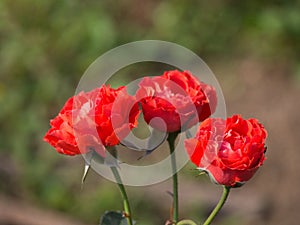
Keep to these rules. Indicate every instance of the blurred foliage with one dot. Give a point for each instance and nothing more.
(45, 46)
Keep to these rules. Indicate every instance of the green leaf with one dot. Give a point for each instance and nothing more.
(186, 222)
(113, 218)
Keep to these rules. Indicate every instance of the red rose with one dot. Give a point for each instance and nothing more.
(87, 121)
(229, 151)
(176, 97)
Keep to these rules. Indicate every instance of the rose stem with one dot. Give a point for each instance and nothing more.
(124, 195)
(171, 140)
(218, 207)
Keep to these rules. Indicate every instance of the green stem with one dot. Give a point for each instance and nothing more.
(218, 207)
(124, 195)
(171, 140)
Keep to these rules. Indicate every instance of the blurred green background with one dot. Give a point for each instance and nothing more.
(253, 47)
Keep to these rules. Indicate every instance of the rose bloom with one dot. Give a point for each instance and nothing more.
(93, 120)
(230, 150)
(178, 98)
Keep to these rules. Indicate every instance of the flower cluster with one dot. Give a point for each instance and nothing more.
(229, 150)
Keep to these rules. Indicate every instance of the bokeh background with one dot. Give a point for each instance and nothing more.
(253, 47)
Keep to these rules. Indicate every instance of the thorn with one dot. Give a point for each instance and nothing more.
(202, 173)
(126, 215)
(169, 222)
(170, 193)
(87, 164)
(86, 170)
